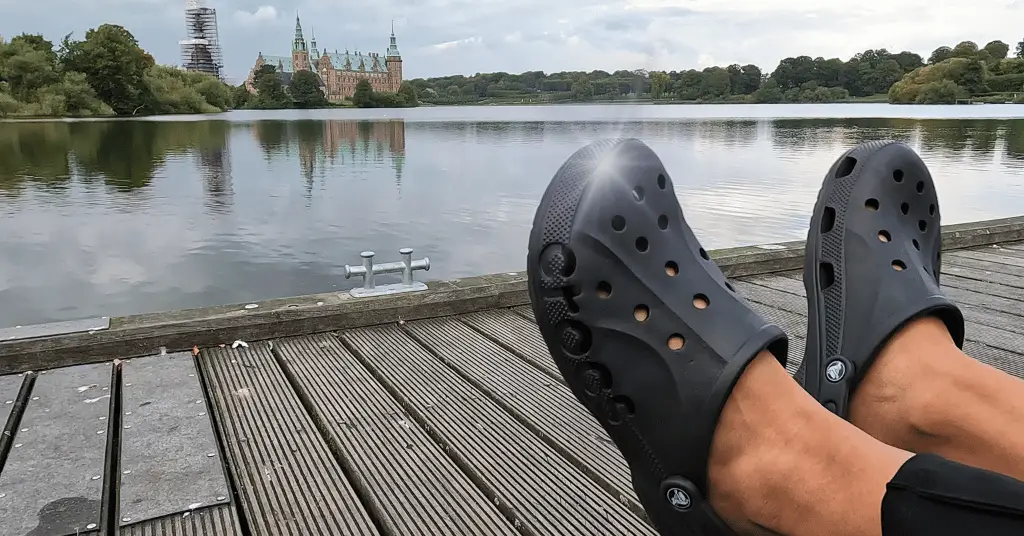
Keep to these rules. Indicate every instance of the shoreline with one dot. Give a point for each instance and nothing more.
(175, 331)
(216, 116)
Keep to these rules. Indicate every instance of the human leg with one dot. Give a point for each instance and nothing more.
(883, 341)
(685, 377)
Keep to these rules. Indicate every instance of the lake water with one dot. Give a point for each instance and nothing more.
(121, 217)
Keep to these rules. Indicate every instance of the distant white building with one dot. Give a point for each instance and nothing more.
(201, 51)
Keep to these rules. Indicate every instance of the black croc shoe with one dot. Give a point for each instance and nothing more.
(644, 327)
(872, 264)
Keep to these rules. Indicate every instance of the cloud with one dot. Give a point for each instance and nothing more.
(261, 15)
(468, 41)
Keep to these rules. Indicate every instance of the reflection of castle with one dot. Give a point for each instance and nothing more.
(349, 143)
(323, 145)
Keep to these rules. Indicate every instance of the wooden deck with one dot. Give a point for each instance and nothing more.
(453, 424)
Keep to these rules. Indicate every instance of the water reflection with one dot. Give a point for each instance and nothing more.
(121, 217)
(980, 140)
(122, 154)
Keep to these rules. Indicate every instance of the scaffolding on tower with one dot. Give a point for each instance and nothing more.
(201, 52)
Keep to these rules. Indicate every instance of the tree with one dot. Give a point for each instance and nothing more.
(750, 79)
(1019, 51)
(363, 95)
(997, 50)
(582, 90)
(240, 96)
(714, 83)
(688, 85)
(659, 83)
(735, 78)
(794, 72)
(908, 61)
(972, 77)
(114, 65)
(270, 93)
(965, 49)
(77, 96)
(769, 92)
(940, 55)
(26, 69)
(38, 43)
(305, 91)
(408, 94)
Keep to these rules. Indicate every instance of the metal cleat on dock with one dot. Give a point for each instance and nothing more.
(368, 270)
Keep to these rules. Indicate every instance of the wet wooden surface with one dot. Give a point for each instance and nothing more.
(454, 425)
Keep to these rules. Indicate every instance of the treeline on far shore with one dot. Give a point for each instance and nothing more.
(950, 74)
(108, 73)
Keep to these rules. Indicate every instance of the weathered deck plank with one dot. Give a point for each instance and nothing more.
(543, 405)
(995, 255)
(1010, 249)
(516, 469)
(53, 481)
(287, 480)
(516, 334)
(956, 259)
(167, 441)
(526, 312)
(1003, 351)
(955, 267)
(983, 287)
(211, 521)
(9, 387)
(411, 485)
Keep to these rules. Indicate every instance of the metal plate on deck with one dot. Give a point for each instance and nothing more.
(53, 479)
(169, 457)
(54, 328)
(387, 290)
(9, 387)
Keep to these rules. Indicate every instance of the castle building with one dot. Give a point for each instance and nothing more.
(338, 71)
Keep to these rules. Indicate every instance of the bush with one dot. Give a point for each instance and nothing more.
(172, 94)
(941, 92)
(9, 105)
(1006, 82)
(967, 74)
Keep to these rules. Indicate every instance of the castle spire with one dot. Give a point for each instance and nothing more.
(393, 48)
(299, 44)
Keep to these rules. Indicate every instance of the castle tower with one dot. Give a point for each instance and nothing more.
(300, 54)
(394, 62)
(314, 54)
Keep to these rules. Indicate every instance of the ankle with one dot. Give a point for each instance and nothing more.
(749, 452)
(777, 453)
(901, 397)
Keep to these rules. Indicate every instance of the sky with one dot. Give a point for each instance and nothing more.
(444, 37)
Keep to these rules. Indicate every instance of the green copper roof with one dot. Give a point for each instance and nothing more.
(344, 61)
(282, 63)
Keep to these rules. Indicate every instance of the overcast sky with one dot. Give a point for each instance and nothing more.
(440, 37)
